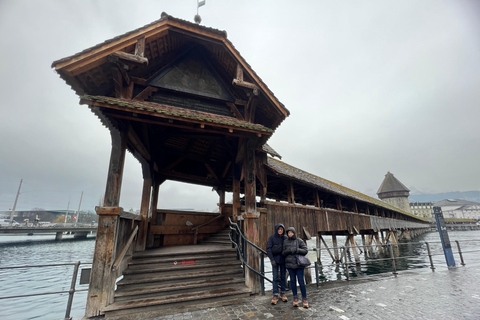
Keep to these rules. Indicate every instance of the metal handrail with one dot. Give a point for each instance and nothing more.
(234, 227)
(71, 292)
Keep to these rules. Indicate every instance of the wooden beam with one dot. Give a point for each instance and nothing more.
(316, 199)
(140, 48)
(140, 81)
(214, 175)
(188, 178)
(234, 110)
(174, 163)
(227, 166)
(130, 57)
(181, 229)
(138, 144)
(115, 170)
(145, 94)
(290, 192)
(239, 74)
(339, 203)
(248, 85)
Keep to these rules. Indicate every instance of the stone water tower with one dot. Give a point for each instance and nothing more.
(394, 192)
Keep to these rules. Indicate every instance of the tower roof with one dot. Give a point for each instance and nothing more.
(391, 184)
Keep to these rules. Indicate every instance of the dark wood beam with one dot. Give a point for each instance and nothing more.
(145, 94)
(130, 57)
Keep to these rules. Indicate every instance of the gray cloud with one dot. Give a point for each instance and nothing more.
(372, 86)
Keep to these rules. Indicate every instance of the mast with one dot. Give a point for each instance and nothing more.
(78, 211)
(15, 203)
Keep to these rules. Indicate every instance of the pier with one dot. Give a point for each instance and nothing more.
(79, 232)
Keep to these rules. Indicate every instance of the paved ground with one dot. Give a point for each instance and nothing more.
(422, 294)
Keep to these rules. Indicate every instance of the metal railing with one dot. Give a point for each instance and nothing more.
(393, 256)
(240, 243)
(70, 292)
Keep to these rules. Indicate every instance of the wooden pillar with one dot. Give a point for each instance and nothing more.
(251, 217)
(236, 198)
(335, 248)
(364, 245)
(144, 209)
(102, 280)
(153, 210)
(354, 247)
(339, 203)
(319, 248)
(308, 271)
(290, 192)
(378, 243)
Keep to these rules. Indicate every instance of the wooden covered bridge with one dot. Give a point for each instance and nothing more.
(183, 101)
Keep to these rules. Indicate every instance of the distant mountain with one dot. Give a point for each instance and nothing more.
(434, 197)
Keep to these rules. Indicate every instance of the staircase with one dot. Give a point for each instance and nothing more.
(181, 278)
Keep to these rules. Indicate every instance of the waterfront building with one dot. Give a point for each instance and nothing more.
(459, 209)
(422, 209)
(393, 192)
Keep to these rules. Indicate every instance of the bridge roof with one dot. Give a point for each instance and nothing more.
(283, 169)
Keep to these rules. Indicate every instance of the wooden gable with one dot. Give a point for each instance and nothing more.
(148, 61)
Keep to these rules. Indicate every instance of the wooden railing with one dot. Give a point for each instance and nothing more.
(195, 229)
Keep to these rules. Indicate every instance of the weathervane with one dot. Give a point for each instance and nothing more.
(197, 17)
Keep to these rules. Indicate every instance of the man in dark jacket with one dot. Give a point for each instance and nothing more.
(274, 252)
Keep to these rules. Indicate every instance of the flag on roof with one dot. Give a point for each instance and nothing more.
(201, 3)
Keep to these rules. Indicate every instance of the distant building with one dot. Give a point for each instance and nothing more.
(394, 193)
(422, 209)
(459, 209)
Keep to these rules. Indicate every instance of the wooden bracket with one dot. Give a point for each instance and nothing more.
(238, 81)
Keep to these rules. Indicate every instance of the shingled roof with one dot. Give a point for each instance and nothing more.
(170, 112)
(391, 184)
(286, 170)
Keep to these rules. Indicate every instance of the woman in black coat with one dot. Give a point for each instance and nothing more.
(291, 247)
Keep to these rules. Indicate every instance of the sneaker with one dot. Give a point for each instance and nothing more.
(305, 303)
(283, 297)
(295, 302)
(274, 300)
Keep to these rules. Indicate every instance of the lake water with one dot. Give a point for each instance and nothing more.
(36, 250)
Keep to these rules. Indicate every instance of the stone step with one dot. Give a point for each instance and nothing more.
(124, 293)
(172, 276)
(179, 267)
(195, 299)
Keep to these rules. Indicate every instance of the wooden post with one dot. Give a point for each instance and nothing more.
(335, 247)
(236, 198)
(319, 248)
(153, 209)
(308, 270)
(339, 203)
(290, 192)
(251, 217)
(102, 282)
(353, 245)
(377, 241)
(144, 208)
(364, 245)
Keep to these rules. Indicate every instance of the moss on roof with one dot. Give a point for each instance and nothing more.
(287, 170)
(178, 112)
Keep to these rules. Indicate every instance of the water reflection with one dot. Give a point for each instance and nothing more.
(409, 255)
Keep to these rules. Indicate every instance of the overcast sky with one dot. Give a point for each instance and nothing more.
(372, 87)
